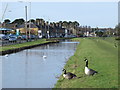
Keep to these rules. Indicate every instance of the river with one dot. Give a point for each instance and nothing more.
(38, 67)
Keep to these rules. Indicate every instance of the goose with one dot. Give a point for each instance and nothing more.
(89, 71)
(115, 45)
(68, 75)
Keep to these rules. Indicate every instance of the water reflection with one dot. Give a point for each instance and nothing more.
(28, 68)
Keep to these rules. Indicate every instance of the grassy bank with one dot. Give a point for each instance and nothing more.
(41, 41)
(102, 56)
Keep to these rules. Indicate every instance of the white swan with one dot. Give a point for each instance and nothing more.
(6, 55)
(44, 56)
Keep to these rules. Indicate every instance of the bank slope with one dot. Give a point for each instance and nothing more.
(102, 56)
(27, 45)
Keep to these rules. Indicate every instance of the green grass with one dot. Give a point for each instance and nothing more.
(102, 56)
(41, 41)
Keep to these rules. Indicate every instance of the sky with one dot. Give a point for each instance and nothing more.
(94, 14)
(119, 12)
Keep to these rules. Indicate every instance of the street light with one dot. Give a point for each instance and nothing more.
(48, 32)
(30, 20)
(26, 20)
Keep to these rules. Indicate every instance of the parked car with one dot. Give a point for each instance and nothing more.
(12, 38)
(72, 36)
(1, 36)
(23, 37)
(32, 36)
(6, 37)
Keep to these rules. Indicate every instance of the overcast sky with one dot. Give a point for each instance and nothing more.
(94, 14)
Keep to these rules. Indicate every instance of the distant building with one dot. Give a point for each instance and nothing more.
(32, 27)
(11, 26)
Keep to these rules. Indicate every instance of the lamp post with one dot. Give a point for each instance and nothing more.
(26, 22)
(27, 30)
(30, 20)
(48, 32)
(25, 19)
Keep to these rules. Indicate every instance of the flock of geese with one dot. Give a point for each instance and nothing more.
(88, 71)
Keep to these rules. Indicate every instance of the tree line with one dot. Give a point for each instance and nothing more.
(40, 21)
(73, 26)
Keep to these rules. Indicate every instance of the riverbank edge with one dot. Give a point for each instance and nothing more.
(67, 65)
(25, 47)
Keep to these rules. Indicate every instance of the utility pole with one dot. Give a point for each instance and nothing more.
(29, 20)
(3, 15)
(26, 22)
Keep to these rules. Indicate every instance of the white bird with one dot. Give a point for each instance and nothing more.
(44, 56)
(89, 71)
(6, 55)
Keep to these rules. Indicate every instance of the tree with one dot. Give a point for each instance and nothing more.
(99, 33)
(18, 21)
(70, 24)
(65, 24)
(60, 23)
(76, 24)
(54, 25)
(117, 30)
(32, 21)
(39, 21)
(7, 21)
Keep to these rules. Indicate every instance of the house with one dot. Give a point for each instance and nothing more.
(32, 28)
(57, 31)
(51, 31)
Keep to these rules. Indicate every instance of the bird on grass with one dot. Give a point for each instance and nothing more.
(68, 75)
(89, 71)
(115, 45)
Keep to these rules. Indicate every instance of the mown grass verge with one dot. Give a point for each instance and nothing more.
(41, 41)
(102, 56)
